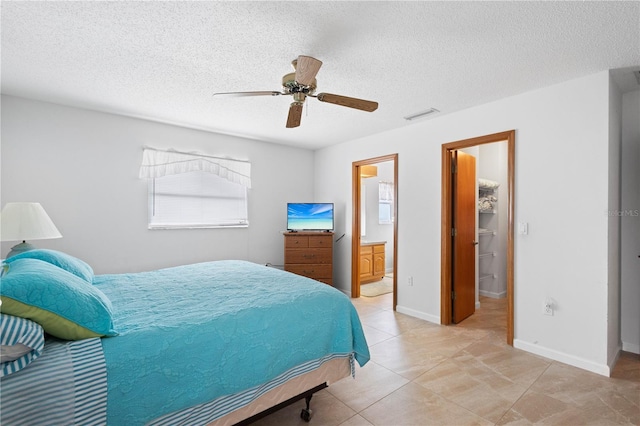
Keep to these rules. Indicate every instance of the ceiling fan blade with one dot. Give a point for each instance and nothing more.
(295, 115)
(259, 93)
(306, 69)
(346, 101)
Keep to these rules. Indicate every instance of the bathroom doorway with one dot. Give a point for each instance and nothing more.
(375, 223)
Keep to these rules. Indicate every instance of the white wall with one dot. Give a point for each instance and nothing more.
(82, 166)
(562, 148)
(630, 223)
(614, 343)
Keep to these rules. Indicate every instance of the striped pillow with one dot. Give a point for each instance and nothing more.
(21, 342)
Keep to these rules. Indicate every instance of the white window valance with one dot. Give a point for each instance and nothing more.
(157, 163)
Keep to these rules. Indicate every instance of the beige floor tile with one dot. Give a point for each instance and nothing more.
(372, 383)
(627, 367)
(473, 386)
(422, 373)
(374, 336)
(429, 333)
(516, 365)
(405, 358)
(356, 420)
(416, 406)
(536, 407)
(391, 322)
(598, 397)
(512, 418)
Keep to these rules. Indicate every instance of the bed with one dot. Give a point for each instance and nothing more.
(212, 343)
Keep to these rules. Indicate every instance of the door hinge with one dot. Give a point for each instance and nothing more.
(453, 295)
(454, 232)
(454, 167)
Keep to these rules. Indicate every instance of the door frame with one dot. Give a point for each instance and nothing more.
(446, 223)
(355, 229)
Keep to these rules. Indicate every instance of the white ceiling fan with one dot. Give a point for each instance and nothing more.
(301, 84)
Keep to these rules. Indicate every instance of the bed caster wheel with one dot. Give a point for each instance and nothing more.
(306, 414)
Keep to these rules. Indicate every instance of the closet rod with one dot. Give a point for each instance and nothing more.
(492, 254)
(484, 277)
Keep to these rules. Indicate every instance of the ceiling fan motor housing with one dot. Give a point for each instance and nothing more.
(291, 86)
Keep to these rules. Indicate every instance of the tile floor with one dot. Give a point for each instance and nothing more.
(426, 374)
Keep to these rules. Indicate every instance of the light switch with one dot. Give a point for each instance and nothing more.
(523, 228)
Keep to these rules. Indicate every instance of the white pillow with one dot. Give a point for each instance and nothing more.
(21, 342)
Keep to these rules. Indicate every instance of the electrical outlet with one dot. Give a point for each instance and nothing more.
(548, 309)
(410, 281)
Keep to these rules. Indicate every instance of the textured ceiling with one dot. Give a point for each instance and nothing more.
(164, 60)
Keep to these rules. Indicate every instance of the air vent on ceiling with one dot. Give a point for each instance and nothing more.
(417, 115)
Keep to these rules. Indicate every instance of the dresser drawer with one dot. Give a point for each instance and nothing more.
(320, 241)
(296, 241)
(312, 271)
(311, 255)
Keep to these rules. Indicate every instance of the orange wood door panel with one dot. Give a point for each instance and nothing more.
(464, 223)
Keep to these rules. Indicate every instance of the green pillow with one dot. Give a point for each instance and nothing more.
(63, 260)
(65, 305)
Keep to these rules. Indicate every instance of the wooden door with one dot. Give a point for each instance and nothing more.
(463, 282)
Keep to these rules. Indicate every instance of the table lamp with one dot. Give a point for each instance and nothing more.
(25, 221)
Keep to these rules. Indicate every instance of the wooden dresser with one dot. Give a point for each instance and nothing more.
(309, 254)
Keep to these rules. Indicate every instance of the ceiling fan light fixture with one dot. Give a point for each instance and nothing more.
(421, 114)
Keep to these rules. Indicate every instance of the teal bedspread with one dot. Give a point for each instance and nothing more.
(190, 334)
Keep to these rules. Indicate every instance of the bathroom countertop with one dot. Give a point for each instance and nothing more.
(372, 243)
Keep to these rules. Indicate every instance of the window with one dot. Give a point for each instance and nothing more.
(195, 191)
(196, 200)
(385, 203)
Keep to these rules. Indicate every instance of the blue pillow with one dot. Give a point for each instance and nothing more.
(21, 342)
(63, 260)
(65, 305)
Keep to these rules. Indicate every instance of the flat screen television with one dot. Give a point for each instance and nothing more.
(310, 216)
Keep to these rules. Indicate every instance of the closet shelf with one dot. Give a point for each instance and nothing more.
(486, 232)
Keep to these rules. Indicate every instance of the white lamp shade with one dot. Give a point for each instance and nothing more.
(26, 221)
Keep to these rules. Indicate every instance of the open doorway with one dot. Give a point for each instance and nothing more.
(454, 240)
(375, 225)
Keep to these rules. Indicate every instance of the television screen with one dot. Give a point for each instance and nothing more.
(310, 216)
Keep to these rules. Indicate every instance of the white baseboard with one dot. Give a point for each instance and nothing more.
(630, 347)
(492, 294)
(575, 361)
(602, 369)
(418, 314)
